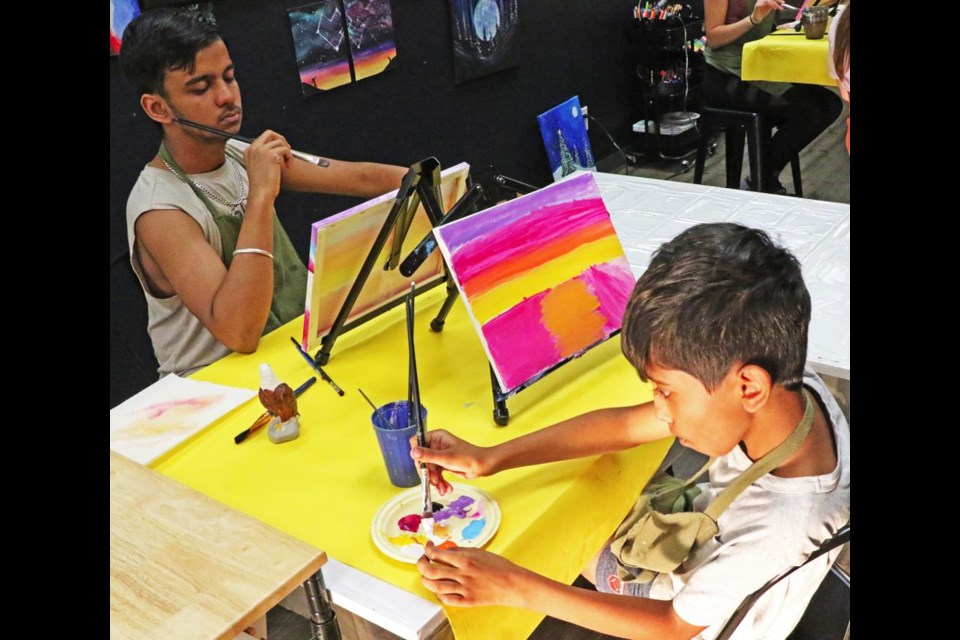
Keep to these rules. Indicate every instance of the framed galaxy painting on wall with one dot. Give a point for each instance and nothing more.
(341, 41)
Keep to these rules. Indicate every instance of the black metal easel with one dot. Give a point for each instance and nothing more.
(421, 184)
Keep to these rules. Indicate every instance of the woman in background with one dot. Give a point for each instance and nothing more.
(800, 112)
(840, 55)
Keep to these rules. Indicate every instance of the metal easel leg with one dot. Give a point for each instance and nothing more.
(501, 415)
(323, 619)
(452, 292)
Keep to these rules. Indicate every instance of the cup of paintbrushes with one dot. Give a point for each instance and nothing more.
(392, 424)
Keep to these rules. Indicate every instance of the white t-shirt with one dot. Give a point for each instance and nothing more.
(773, 525)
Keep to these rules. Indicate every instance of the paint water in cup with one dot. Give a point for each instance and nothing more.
(392, 425)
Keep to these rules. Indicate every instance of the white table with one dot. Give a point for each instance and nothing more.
(646, 213)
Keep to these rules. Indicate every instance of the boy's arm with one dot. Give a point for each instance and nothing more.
(363, 179)
(592, 433)
(233, 304)
(471, 577)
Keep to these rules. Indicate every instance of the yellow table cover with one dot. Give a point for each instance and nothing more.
(787, 57)
(326, 486)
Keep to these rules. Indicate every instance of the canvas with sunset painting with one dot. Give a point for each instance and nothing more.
(544, 277)
(340, 244)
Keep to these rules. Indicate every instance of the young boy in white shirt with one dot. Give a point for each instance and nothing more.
(718, 324)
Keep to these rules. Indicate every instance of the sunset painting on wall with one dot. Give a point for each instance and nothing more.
(544, 277)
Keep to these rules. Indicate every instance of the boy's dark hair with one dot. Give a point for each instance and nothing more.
(716, 295)
(161, 40)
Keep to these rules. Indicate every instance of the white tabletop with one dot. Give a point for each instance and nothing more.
(647, 212)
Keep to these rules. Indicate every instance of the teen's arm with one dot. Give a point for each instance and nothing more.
(363, 179)
(233, 304)
(472, 577)
(720, 34)
(592, 433)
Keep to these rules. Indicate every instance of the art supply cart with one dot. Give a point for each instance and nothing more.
(669, 66)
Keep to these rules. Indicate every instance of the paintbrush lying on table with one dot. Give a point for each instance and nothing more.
(415, 417)
(306, 157)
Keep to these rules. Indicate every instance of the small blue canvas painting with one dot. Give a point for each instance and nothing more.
(565, 138)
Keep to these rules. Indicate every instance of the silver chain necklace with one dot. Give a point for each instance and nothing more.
(236, 172)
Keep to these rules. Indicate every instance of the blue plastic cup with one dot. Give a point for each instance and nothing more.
(391, 423)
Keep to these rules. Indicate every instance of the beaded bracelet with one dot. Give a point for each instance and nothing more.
(262, 252)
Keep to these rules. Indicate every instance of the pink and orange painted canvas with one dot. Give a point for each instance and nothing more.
(544, 277)
(340, 244)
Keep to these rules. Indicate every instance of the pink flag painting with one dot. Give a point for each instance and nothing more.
(544, 277)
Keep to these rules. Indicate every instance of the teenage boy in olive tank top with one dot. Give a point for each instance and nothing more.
(217, 268)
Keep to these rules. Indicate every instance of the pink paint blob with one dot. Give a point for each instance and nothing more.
(156, 410)
(520, 330)
(410, 523)
(611, 282)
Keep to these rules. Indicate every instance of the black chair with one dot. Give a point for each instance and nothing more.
(840, 538)
(737, 125)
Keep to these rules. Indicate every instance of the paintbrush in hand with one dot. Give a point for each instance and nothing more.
(300, 155)
(413, 404)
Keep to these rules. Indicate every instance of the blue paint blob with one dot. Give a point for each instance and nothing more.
(473, 529)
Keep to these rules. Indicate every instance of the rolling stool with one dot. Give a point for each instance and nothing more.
(736, 125)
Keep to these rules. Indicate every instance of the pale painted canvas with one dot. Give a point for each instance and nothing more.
(167, 413)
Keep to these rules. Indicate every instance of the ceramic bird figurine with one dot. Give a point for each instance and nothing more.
(278, 398)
